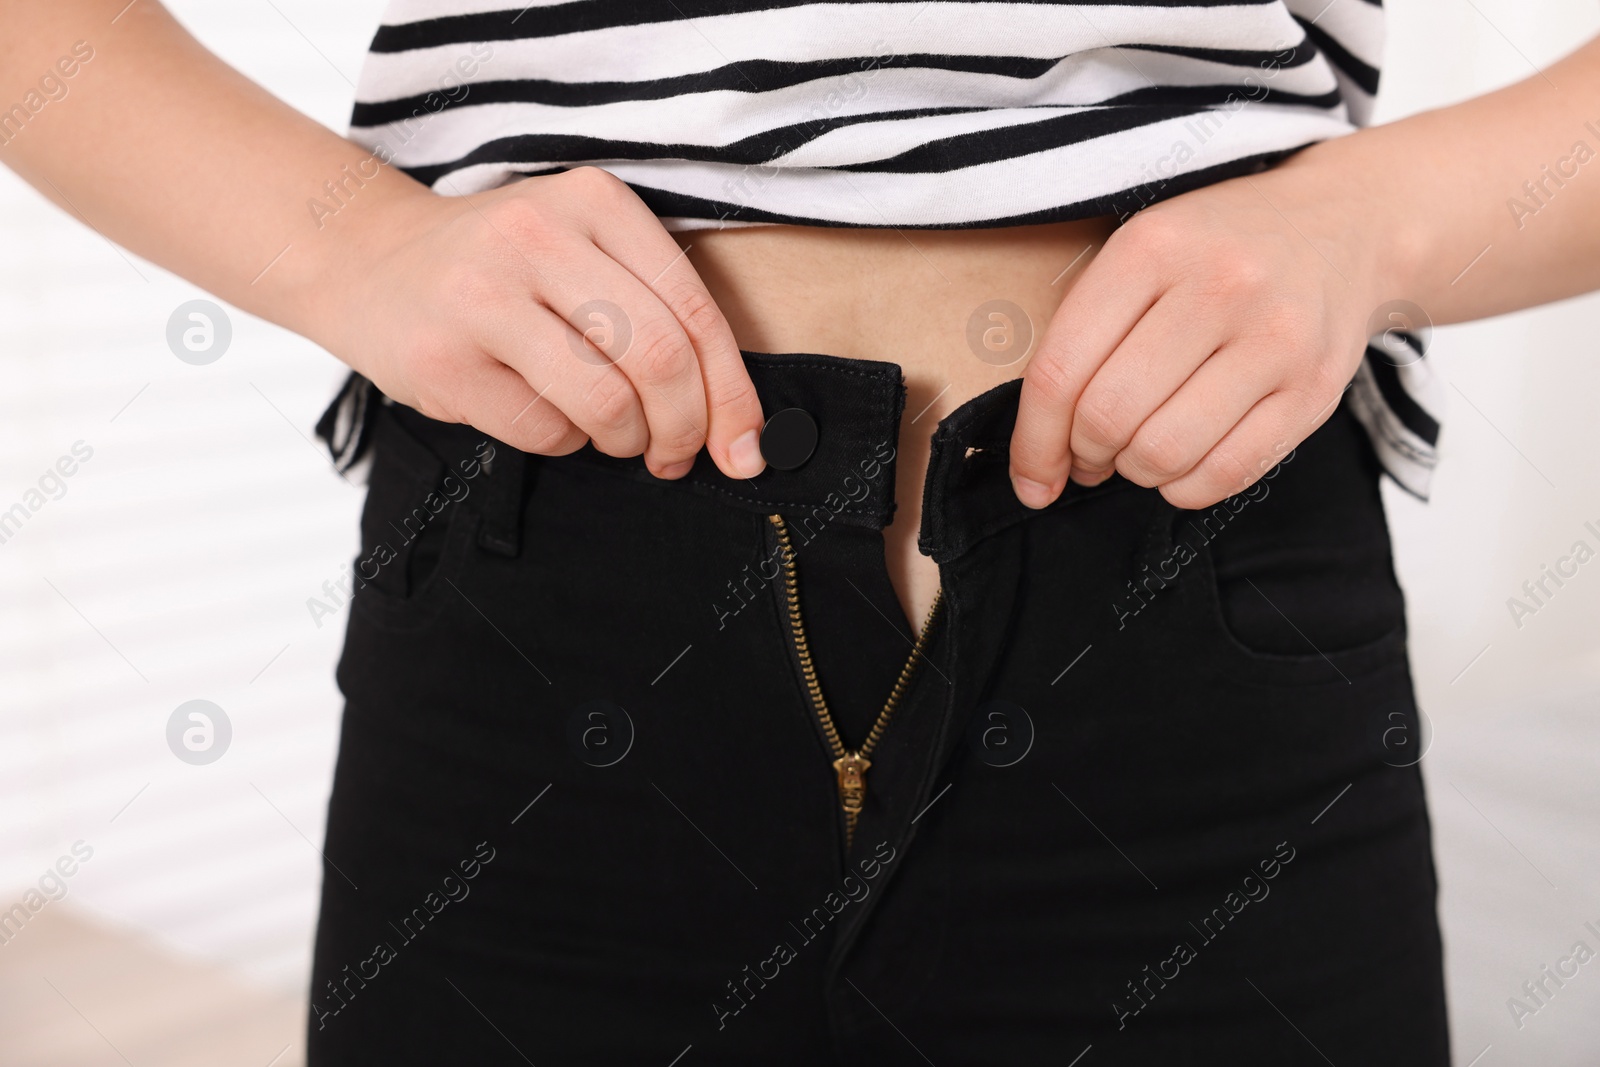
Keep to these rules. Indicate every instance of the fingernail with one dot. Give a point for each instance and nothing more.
(1032, 493)
(745, 453)
(677, 470)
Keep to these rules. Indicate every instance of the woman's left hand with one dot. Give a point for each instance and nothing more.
(1212, 333)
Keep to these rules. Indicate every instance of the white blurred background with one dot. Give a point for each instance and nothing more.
(178, 562)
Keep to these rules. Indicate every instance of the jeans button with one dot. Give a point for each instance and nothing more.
(788, 439)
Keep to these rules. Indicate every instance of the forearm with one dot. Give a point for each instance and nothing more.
(171, 153)
(1489, 205)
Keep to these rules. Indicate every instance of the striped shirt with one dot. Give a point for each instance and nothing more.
(880, 113)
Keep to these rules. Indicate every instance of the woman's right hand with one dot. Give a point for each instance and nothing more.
(546, 313)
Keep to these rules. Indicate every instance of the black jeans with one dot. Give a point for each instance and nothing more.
(1150, 798)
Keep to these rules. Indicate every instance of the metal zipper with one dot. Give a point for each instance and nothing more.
(850, 767)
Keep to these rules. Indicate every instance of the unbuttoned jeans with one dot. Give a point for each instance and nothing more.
(1151, 797)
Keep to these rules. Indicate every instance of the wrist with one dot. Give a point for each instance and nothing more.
(330, 269)
(1373, 215)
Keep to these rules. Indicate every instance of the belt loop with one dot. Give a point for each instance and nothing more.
(506, 472)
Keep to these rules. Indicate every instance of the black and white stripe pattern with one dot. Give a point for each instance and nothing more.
(877, 113)
(1400, 401)
(908, 113)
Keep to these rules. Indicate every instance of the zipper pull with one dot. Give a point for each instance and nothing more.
(852, 771)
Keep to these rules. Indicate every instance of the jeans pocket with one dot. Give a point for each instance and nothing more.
(1322, 621)
(1296, 587)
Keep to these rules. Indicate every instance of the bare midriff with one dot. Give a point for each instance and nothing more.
(943, 304)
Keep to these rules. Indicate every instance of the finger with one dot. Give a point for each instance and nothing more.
(1146, 371)
(1247, 452)
(1179, 433)
(500, 402)
(626, 324)
(593, 394)
(1114, 291)
(633, 236)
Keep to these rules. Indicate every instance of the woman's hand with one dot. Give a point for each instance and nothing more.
(547, 313)
(1213, 332)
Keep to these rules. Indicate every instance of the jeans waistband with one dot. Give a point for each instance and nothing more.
(857, 407)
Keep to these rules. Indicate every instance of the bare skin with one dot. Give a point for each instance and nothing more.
(906, 299)
(1200, 337)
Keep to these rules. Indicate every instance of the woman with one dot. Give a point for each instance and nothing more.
(1045, 324)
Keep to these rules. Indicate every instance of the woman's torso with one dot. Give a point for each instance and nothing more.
(959, 310)
(939, 171)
